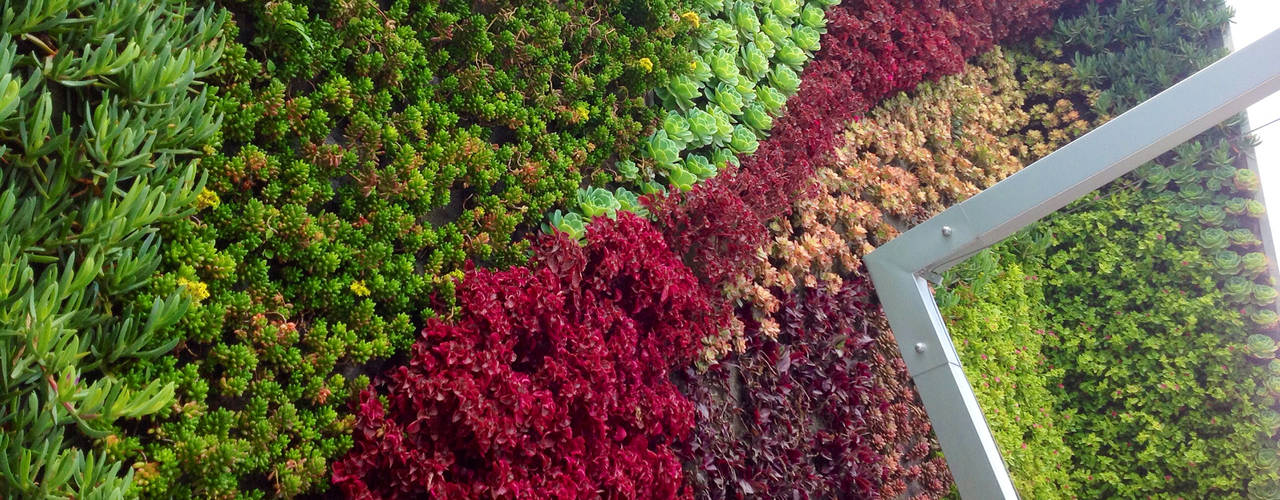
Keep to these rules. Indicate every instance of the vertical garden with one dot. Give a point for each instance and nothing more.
(606, 248)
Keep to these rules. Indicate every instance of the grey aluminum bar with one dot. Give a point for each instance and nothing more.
(1188, 108)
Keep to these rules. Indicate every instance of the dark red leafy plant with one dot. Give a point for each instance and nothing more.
(788, 417)
(553, 382)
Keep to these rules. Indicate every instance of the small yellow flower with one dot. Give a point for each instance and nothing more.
(692, 17)
(693, 65)
(358, 288)
(207, 199)
(195, 290)
(646, 63)
(582, 113)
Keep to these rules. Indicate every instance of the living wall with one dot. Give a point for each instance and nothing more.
(595, 248)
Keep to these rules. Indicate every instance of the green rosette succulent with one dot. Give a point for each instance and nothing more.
(724, 65)
(1238, 288)
(1268, 458)
(1185, 212)
(628, 170)
(744, 140)
(785, 80)
(722, 157)
(724, 127)
(1274, 366)
(1235, 206)
(1226, 262)
(785, 9)
(775, 29)
(1243, 237)
(724, 35)
(758, 119)
(1269, 419)
(771, 99)
(571, 224)
(754, 61)
(1246, 180)
(1156, 175)
(791, 55)
(1184, 173)
(747, 89)
(1224, 173)
(1193, 191)
(700, 70)
(1264, 489)
(1212, 215)
(1254, 263)
(766, 45)
(595, 202)
(813, 17)
(662, 149)
(1213, 238)
(699, 165)
(1265, 318)
(744, 18)
(1264, 295)
(677, 128)
(1260, 346)
(703, 126)
(630, 202)
(1254, 208)
(1273, 386)
(681, 178)
(727, 98)
(680, 92)
(806, 38)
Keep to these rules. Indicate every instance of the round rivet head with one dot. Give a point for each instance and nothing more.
(920, 347)
(946, 230)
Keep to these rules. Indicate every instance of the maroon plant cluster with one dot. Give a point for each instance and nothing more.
(826, 409)
(552, 383)
(789, 417)
(871, 49)
(899, 428)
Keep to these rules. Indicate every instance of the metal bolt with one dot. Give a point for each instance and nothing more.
(946, 231)
(920, 347)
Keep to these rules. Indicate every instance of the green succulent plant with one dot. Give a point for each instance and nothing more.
(1264, 318)
(744, 140)
(630, 202)
(785, 80)
(1226, 262)
(1264, 295)
(1261, 346)
(103, 110)
(595, 202)
(570, 224)
(677, 128)
(1255, 263)
(1246, 180)
(662, 149)
(1212, 215)
(1213, 238)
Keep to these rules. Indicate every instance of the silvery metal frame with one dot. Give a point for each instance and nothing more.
(899, 268)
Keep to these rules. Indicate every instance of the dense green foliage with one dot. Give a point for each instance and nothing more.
(369, 149)
(101, 116)
(1154, 288)
(998, 319)
(197, 282)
